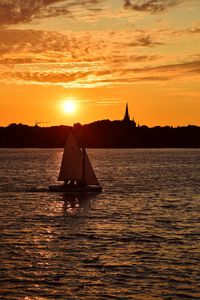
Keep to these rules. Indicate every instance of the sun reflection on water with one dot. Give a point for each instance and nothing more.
(72, 206)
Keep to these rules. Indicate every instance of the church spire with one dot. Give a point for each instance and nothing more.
(126, 116)
(127, 119)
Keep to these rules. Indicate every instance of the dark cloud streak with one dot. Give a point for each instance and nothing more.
(153, 6)
(24, 11)
(144, 40)
(14, 12)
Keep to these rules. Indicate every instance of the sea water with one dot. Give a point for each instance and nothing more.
(139, 239)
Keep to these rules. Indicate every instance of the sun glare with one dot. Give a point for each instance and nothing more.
(69, 106)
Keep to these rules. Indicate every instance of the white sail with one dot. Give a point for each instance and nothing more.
(89, 176)
(71, 166)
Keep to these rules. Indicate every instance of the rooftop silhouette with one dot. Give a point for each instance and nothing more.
(101, 134)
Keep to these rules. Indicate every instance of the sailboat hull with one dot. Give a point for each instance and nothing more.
(74, 189)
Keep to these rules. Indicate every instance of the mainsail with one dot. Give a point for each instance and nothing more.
(71, 166)
(76, 164)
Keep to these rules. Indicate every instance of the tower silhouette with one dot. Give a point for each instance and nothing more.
(126, 115)
(126, 118)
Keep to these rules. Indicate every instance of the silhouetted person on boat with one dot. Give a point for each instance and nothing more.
(80, 183)
(68, 183)
(74, 183)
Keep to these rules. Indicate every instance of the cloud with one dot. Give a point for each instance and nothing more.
(90, 59)
(101, 101)
(71, 79)
(13, 12)
(52, 46)
(144, 40)
(104, 76)
(24, 11)
(153, 6)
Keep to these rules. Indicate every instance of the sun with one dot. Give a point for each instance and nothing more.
(69, 106)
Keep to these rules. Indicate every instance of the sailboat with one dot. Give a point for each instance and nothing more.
(76, 170)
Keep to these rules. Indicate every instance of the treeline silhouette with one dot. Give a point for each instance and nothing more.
(101, 134)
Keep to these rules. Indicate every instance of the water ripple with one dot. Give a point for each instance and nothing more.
(139, 239)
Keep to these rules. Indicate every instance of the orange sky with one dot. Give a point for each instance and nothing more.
(101, 54)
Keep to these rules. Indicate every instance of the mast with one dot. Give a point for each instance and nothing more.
(83, 166)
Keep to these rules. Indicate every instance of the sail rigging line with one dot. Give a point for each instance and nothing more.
(83, 165)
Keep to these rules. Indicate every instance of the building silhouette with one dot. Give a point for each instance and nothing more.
(127, 119)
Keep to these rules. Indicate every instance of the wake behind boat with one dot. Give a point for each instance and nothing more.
(76, 170)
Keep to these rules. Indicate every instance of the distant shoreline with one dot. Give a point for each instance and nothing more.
(101, 134)
(92, 148)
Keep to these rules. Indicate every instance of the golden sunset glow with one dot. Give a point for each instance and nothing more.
(107, 53)
(69, 106)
